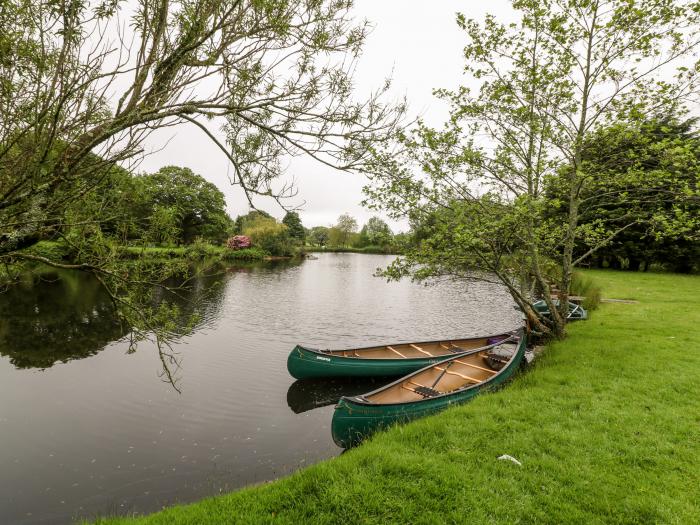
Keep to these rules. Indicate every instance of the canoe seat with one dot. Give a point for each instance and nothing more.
(426, 391)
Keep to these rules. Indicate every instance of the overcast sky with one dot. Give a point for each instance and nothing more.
(418, 40)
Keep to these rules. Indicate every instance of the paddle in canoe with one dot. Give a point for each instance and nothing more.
(429, 390)
(377, 361)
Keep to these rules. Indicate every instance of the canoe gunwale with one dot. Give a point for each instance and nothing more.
(328, 352)
(360, 400)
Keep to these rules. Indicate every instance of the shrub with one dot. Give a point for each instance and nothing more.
(201, 250)
(51, 250)
(585, 286)
(271, 236)
(238, 242)
(245, 254)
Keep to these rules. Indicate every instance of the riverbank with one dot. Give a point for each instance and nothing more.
(193, 252)
(605, 425)
(198, 251)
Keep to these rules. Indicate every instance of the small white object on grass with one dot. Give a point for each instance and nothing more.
(510, 458)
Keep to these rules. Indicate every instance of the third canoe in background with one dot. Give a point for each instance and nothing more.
(576, 311)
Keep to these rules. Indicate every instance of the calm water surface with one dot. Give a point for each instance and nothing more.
(88, 429)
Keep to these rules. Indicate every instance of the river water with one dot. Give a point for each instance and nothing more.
(89, 429)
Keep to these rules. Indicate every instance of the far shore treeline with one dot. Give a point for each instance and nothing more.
(175, 212)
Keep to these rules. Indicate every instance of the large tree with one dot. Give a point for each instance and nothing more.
(296, 229)
(346, 226)
(318, 235)
(536, 90)
(199, 206)
(376, 232)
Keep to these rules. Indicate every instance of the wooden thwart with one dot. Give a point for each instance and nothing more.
(396, 351)
(476, 366)
(458, 374)
(421, 350)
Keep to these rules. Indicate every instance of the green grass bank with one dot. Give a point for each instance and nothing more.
(192, 252)
(606, 425)
(196, 251)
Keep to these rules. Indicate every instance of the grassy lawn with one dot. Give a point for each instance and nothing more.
(606, 425)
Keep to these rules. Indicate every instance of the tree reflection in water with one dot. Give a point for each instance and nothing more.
(59, 316)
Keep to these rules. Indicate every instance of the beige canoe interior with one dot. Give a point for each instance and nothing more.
(441, 379)
(413, 350)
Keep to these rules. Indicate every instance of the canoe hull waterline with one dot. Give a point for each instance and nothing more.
(304, 362)
(354, 420)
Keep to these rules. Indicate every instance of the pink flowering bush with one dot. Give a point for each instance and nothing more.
(238, 242)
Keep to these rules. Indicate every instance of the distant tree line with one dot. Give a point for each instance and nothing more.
(176, 207)
(652, 160)
(375, 236)
(171, 207)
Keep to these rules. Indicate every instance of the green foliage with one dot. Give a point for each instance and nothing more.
(163, 225)
(245, 254)
(201, 250)
(342, 231)
(242, 221)
(197, 206)
(357, 249)
(296, 229)
(171, 206)
(376, 232)
(583, 284)
(374, 237)
(601, 421)
(319, 236)
(198, 251)
(646, 171)
(270, 235)
(56, 251)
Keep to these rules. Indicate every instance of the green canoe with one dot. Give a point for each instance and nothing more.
(376, 361)
(427, 391)
(576, 311)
